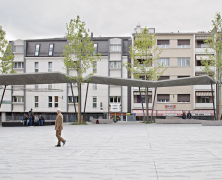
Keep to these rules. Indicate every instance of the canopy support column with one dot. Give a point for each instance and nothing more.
(153, 104)
(144, 119)
(2, 96)
(147, 100)
(86, 100)
(74, 103)
(213, 98)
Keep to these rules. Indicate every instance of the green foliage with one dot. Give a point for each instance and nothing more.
(79, 52)
(76, 123)
(6, 56)
(214, 41)
(145, 54)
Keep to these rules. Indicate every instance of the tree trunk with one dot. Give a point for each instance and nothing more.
(219, 97)
(147, 106)
(78, 120)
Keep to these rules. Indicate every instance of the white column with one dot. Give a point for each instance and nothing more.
(3, 117)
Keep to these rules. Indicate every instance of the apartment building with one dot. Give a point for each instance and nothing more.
(45, 55)
(182, 55)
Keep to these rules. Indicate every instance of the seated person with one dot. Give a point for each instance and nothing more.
(41, 120)
(24, 121)
(36, 120)
(189, 115)
(184, 116)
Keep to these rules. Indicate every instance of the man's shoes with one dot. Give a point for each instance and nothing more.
(64, 143)
(57, 145)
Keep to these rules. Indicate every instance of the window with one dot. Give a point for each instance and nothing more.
(50, 101)
(18, 99)
(163, 78)
(115, 48)
(49, 86)
(94, 86)
(94, 102)
(96, 49)
(163, 61)
(115, 99)
(95, 67)
(37, 48)
(56, 101)
(36, 87)
(183, 98)
(18, 49)
(183, 61)
(203, 99)
(163, 98)
(36, 101)
(163, 43)
(183, 43)
(50, 67)
(36, 67)
(51, 49)
(142, 61)
(115, 65)
(182, 76)
(138, 99)
(73, 99)
(18, 65)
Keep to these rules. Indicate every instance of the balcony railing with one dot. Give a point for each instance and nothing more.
(202, 46)
(183, 46)
(164, 46)
(204, 105)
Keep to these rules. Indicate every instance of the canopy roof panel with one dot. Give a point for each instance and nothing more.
(57, 77)
(34, 78)
(197, 80)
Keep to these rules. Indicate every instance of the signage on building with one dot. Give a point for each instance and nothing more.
(170, 106)
(115, 107)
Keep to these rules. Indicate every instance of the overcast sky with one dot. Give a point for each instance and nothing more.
(29, 19)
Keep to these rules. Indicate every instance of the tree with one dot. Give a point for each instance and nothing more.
(213, 65)
(144, 54)
(6, 56)
(79, 54)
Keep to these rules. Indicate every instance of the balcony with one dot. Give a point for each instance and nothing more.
(202, 87)
(203, 50)
(202, 46)
(204, 105)
(199, 68)
(139, 105)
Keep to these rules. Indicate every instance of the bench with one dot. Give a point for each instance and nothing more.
(19, 123)
(102, 121)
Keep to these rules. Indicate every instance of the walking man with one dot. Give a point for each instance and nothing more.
(59, 128)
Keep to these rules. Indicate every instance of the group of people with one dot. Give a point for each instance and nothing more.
(187, 116)
(32, 120)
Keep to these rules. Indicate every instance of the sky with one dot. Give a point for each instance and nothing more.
(31, 19)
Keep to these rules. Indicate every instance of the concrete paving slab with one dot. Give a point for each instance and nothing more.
(124, 150)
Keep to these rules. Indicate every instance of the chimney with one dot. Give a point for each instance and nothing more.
(91, 34)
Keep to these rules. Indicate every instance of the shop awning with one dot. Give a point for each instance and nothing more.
(203, 93)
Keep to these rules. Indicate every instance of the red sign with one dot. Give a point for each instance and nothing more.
(170, 106)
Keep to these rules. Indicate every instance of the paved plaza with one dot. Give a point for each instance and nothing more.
(112, 151)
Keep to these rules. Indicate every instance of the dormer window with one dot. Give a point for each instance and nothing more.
(51, 46)
(37, 48)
